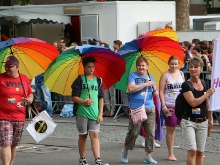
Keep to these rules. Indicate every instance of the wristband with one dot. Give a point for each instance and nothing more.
(163, 105)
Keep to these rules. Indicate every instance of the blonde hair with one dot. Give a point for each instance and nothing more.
(169, 25)
(197, 61)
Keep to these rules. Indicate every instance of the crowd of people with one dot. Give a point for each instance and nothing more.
(89, 106)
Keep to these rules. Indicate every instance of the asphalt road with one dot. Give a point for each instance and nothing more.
(61, 147)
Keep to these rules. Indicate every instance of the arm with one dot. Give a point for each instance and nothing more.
(132, 87)
(101, 105)
(209, 68)
(193, 102)
(78, 100)
(29, 98)
(209, 113)
(162, 84)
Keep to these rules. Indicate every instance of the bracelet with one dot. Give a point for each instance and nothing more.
(163, 105)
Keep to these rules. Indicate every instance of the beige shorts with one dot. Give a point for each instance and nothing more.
(194, 134)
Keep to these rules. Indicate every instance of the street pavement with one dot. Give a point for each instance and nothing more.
(61, 146)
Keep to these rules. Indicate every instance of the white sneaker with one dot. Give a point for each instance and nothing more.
(156, 144)
(124, 156)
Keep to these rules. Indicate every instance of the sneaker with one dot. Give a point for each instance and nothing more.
(149, 160)
(156, 145)
(98, 161)
(124, 156)
(82, 161)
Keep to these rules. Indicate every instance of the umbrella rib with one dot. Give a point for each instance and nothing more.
(73, 65)
(36, 50)
(109, 70)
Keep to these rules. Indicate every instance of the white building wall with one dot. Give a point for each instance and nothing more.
(130, 13)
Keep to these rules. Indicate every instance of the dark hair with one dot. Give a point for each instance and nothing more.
(195, 41)
(198, 49)
(105, 45)
(91, 42)
(118, 42)
(87, 60)
(187, 44)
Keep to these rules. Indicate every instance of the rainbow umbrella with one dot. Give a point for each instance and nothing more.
(60, 75)
(162, 33)
(157, 50)
(34, 55)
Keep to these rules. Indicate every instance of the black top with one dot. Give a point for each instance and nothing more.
(196, 94)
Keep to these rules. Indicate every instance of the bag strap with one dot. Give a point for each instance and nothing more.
(145, 97)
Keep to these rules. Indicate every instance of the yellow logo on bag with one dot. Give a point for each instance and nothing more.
(41, 126)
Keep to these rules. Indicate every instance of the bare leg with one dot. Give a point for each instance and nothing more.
(199, 158)
(13, 154)
(94, 136)
(170, 141)
(82, 145)
(125, 149)
(191, 157)
(6, 155)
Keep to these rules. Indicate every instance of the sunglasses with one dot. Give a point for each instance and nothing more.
(9, 66)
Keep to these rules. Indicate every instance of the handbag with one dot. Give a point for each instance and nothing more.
(139, 115)
(41, 126)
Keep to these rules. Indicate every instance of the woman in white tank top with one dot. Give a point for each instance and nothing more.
(170, 86)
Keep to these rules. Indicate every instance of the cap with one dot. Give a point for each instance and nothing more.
(11, 60)
(97, 40)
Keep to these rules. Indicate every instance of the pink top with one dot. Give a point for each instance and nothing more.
(172, 88)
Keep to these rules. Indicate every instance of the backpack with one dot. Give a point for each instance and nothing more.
(181, 103)
(67, 111)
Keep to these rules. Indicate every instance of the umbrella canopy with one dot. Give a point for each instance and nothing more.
(60, 75)
(162, 32)
(34, 55)
(157, 50)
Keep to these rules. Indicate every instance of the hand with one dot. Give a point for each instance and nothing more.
(100, 119)
(155, 92)
(165, 110)
(206, 57)
(210, 124)
(27, 100)
(149, 83)
(210, 91)
(87, 102)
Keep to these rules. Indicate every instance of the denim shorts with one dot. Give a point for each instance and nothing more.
(85, 125)
(10, 132)
(194, 134)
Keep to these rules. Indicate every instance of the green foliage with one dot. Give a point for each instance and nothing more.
(25, 2)
(206, 4)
